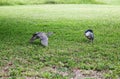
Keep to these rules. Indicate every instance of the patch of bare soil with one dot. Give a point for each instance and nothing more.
(81, 74)
(75, 74)
(85, 74)
(4, 71)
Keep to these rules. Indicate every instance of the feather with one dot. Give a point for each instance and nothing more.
(89, 34)
(42, 36)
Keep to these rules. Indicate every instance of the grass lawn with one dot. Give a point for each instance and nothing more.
(110, 1)
(24, 2)
(30, 2)
(68, 48)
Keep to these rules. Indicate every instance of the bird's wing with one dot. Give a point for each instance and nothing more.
(44, 42)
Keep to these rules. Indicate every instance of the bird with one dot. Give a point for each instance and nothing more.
(89, 34)
(42, 36)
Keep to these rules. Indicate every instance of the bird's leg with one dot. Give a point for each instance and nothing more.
(91, 41)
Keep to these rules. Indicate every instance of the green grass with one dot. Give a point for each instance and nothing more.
(68, 48)
(36, 2)
(110, 1)
(24, 2)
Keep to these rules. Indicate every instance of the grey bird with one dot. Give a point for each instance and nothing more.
(42, 36)
(89, 34)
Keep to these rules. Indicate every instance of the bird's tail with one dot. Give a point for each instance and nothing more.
(49, 34)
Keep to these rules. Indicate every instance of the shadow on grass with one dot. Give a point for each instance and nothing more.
(37, 44)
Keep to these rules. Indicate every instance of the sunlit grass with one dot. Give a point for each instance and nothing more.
(110, 1)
